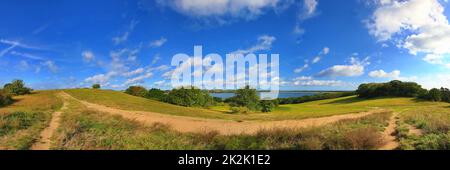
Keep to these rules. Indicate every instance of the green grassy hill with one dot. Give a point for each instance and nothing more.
(314, 109)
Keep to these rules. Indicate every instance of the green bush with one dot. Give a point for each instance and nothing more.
(236, 110)
(156, 94)
(5, 99)
(136, 91)
(245, 97)
(190, 97)
(17, 87)
(267, 105)
(96, 86)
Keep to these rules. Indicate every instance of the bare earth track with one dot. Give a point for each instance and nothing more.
(224, 127)
(44, 141)
(389, 136)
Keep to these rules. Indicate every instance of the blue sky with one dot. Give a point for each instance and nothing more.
(323, 44)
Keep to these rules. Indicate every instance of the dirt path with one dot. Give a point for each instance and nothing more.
(414, 131)
(44, 141)
(389, 134)
(225, 127)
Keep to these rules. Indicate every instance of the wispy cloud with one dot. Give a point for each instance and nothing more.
(158, 43)
(27, 55)
(15, 44)
(124, 37)
(264, 43)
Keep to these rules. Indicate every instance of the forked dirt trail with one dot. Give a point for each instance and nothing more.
(224, 127)
(44, 141)
(389, 135)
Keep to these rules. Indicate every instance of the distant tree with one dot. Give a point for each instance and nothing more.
(245, 97)
(96, 86)
(17, 87)
(156, 94)
(190, 97)
(394, 88)
(434, 95)
(445, 95)
(137, 91)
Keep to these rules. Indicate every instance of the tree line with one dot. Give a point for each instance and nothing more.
(320, 96)
(398, 88)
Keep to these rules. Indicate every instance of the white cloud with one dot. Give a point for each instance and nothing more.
(50, 65)
(301, 69)
(343, 71)
(264, 43)
(88, 56)
(355, 69)
(138, 80)
(26, 55)
(160, 68)
(326, 50)
(382, 74)
(102, 79)
(121, 39)
(134, 72)
(316, 59)
(160, 83)
(302, 78)
(221, 9)
(13, 44)
(309, 9)
(420, 26)
(23, 65)
(434, 59)
(156, 58)
(158, 43)
(310, 82)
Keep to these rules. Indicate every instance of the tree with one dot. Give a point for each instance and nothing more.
(245, 97)
(156, 94)
(190, 97)
(267, 105)
(96, 86)
(136, 91)
(17, 87)
(434, 95)
(394, 88)
(445, 95)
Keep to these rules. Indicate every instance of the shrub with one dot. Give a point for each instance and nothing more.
(96, 86)
(17, 87)
(245, 97)
(5, 99)
(363, 138)
(156, 94)
(236, 110)
(190, 97)
(267, 105)
(136, 91)
(218, 99)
